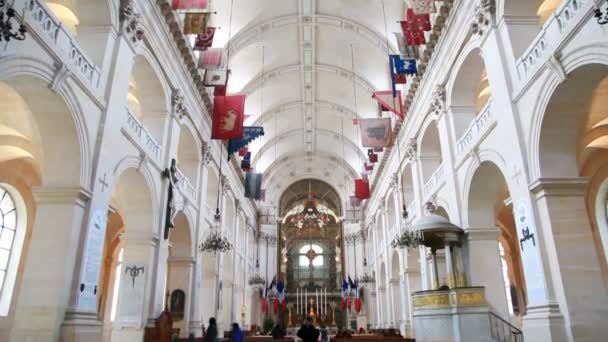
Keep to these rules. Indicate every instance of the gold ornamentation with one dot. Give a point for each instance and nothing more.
(431, 300)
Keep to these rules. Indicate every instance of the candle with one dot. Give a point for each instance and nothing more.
(305, 302)
(317, 300)
(297, 299)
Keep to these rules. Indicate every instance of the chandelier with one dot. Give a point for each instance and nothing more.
(407, 239)
(256, 280)
(216, 243)
(7, 32)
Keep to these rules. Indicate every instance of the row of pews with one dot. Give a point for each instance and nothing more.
(163, 331)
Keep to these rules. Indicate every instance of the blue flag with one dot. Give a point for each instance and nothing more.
(250, 133)
(253, 185)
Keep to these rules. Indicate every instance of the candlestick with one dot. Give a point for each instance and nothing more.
(297, 299)
(317, 299)
(305, 301)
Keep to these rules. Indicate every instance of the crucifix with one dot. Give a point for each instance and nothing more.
(170, 173)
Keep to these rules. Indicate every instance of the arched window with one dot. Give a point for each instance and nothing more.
(308, 251)
(12, 234)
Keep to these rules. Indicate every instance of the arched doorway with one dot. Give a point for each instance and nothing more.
(179, 273)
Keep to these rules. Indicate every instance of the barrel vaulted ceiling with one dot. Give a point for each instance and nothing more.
(303, 93)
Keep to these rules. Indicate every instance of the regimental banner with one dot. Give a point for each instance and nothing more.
(204, 41)
(196, 22)
(212, 59)
(249, 135)
(228, 117)
(185, 5)
(216, 78)
(423, 6)
(253, 185)
(362, 189)
(387, 102)
(376, 133)
(406, 50)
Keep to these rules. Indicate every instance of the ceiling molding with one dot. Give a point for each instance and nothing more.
(270, 75)
(330, 106)
(270, 142)
(253, 32)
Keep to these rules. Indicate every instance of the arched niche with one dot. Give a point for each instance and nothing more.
(147, 99)
(179, 271)
(430, 152)
(392, 215)
(89, 21)
(470, 92)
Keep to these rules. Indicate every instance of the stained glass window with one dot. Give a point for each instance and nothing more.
(8, 217)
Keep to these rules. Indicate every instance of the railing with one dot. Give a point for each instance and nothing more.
(208, 213)
(185, 185)
(435, 181)
(504, 331)
(39, 17)
(140, 134)
(548, 39)
(475, 132)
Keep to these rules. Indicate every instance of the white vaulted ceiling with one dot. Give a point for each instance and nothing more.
(303, 93)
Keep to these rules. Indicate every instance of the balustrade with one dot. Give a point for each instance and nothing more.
(435, 181)
(476, 132)
(185, 186)
(43, 22)
(549, 38)
(134, 129)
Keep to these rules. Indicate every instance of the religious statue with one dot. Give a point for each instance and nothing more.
(170, 173)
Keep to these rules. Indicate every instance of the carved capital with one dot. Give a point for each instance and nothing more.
(438, 104)
(225, 185)
(206, 153)
(394, 184)
(130, 22)
(484, 16)
(411, 150)
(178, 106)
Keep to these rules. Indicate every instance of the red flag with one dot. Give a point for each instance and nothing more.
(243, 151)
(211, 59)
(412, 33)
(189, 4)
(275, 305)
(362, 189)
(196, 22)
(264, 305)
(205, 40)
(228, 117)
(343, 303)
(358, 304)
(350, 301)
(355, 121)
(283, 305)
(421, 21)
(368, 167)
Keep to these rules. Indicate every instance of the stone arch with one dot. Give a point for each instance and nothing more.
(392, 212)
(180, 267)
(41, 129)
(469, 90)
(90, 22)
(486, 199)
(429, 150)
(189, 155)
(380, 230)
(148, 97)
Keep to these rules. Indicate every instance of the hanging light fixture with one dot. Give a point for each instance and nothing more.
(7, 31)
(256, 280)
(216, 243)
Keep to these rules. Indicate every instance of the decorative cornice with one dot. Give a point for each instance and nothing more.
(130, 22)
(412, 150)
(438, 103)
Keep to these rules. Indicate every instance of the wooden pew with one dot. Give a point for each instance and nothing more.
(163, 329)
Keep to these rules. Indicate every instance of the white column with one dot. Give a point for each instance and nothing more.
(135, 285)
(49, 265)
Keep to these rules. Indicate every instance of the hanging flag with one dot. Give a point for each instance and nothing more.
(246, 165)
(361, 191)
(243, 151)
(368, 167)
(349, 303)
(275, 305)
(262, 195)
(228, 117)
(387, 102)
(216, 78)
(211, 59)
(373, 157)
(205, 40)
(250, 133)
(412, 33)
(421, 21)
(404, 66)
(196, 22)
(406, 50)
(253, 186)
(354, 201)
(181, 5)
(378, 150)
(376, 133)
(358, 304)
(423, 6)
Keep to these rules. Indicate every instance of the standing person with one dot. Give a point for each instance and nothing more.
(308, 333)
(277, 332)
(237, 334)
(211, 334)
